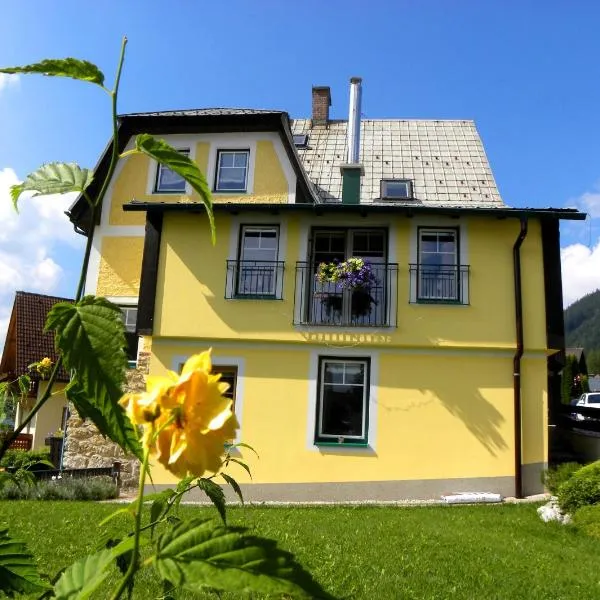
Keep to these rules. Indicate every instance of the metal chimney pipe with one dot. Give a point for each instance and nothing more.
(354, 120)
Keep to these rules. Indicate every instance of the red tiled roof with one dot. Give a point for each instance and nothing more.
(32, 344)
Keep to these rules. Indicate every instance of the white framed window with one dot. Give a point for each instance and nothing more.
(167, 181)
(129, 317)
(232, 170)
(438, 272)
(396, 189)
(258, 272)
(342, 401)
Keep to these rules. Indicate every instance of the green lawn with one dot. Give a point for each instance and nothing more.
(373, 553)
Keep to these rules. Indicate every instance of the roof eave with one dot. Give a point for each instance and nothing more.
(322, 208)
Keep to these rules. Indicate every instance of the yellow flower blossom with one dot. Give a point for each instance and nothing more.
(45, 363)
(186, 418)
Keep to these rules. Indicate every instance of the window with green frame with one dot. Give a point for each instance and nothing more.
(342, 401)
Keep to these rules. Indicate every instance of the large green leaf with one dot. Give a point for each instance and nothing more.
(62, 67)
(184, 166)
(200, 553)
(17, 567)
(83, 577)
(90, 336)
(216, 495)
(53, 178)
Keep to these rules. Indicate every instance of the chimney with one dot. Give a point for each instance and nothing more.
(352, 170)
(321, 101)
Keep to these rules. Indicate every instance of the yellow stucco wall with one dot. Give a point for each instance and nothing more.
(270, 182)
(438, 416)
(189, 262)
(120, 266)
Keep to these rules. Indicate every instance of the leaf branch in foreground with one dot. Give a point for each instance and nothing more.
(199, 553)
(18, 573)
(72, 68)
(184, 166)
(90, 337)
(53, 178)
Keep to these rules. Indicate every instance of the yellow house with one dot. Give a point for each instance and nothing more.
(26, 343)
(428, 370)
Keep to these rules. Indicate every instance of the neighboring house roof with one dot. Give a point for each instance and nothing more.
(444, 159)
(26, 341)
(576, 352)
(202, 112)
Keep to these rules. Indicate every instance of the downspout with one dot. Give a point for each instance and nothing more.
(517, 358)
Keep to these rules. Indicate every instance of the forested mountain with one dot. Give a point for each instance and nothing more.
(582, 327)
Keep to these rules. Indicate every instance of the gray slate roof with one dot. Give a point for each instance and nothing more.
(204, 112)
(444, 159)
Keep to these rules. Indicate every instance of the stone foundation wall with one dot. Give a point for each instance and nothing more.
(86, 447)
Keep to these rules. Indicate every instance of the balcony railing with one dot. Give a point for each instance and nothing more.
(329, 304)
(254, 279)
(441, 284)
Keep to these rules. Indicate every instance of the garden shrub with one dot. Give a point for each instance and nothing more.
(68, 488)
(25, 458)
(554, 477)
(581, 489)
(587, 520)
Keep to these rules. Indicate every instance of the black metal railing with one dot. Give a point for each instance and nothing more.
(444, 284)
(254, 279)
(331, 305)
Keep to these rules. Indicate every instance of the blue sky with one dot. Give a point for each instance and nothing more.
(526, 72)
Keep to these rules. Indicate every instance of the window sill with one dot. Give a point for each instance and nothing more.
(255, 297)
(450, 302)
(185, 192)
(231, 192)
(343, 445)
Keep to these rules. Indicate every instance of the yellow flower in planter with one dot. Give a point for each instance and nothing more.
(186, 419)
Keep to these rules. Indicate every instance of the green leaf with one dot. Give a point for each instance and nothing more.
(83, 577)
(120, 511)
(90, 336)
(24, 383)
(158, 507)
(18, 573)
(200, 553)
(53, 178)
(184, 166)
(243, 445)
(234, 484)
(242, 464)
(215, 492)
(73, 68)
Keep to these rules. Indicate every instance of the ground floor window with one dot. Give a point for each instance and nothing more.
(342, 401)
(228, 375)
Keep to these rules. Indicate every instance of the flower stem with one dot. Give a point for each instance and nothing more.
(134, 564)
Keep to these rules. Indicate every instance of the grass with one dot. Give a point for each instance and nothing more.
(365, 552)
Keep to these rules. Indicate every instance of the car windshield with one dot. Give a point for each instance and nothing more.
(593, 398)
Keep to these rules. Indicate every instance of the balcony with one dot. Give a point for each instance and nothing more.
(254, 280)
(328, 304)
(439, 284)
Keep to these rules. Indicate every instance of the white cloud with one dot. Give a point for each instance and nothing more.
(7, 81)
(580, 271)
(30, 243)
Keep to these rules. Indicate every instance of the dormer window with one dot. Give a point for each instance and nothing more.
(232, 170)
(396, 189)
(169, 182)
(301, 140)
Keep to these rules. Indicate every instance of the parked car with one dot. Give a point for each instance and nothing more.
(589, 400)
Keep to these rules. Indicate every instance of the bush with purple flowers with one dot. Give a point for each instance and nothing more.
(352, 274)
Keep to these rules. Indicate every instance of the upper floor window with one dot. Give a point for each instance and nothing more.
(131, 337)
(257, 273)
(232, 170)
(168, 181)
(438, 261)
(396, 189)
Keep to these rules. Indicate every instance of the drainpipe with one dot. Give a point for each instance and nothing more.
(517, 358)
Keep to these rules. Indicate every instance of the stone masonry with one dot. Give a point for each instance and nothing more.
(86, 447)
